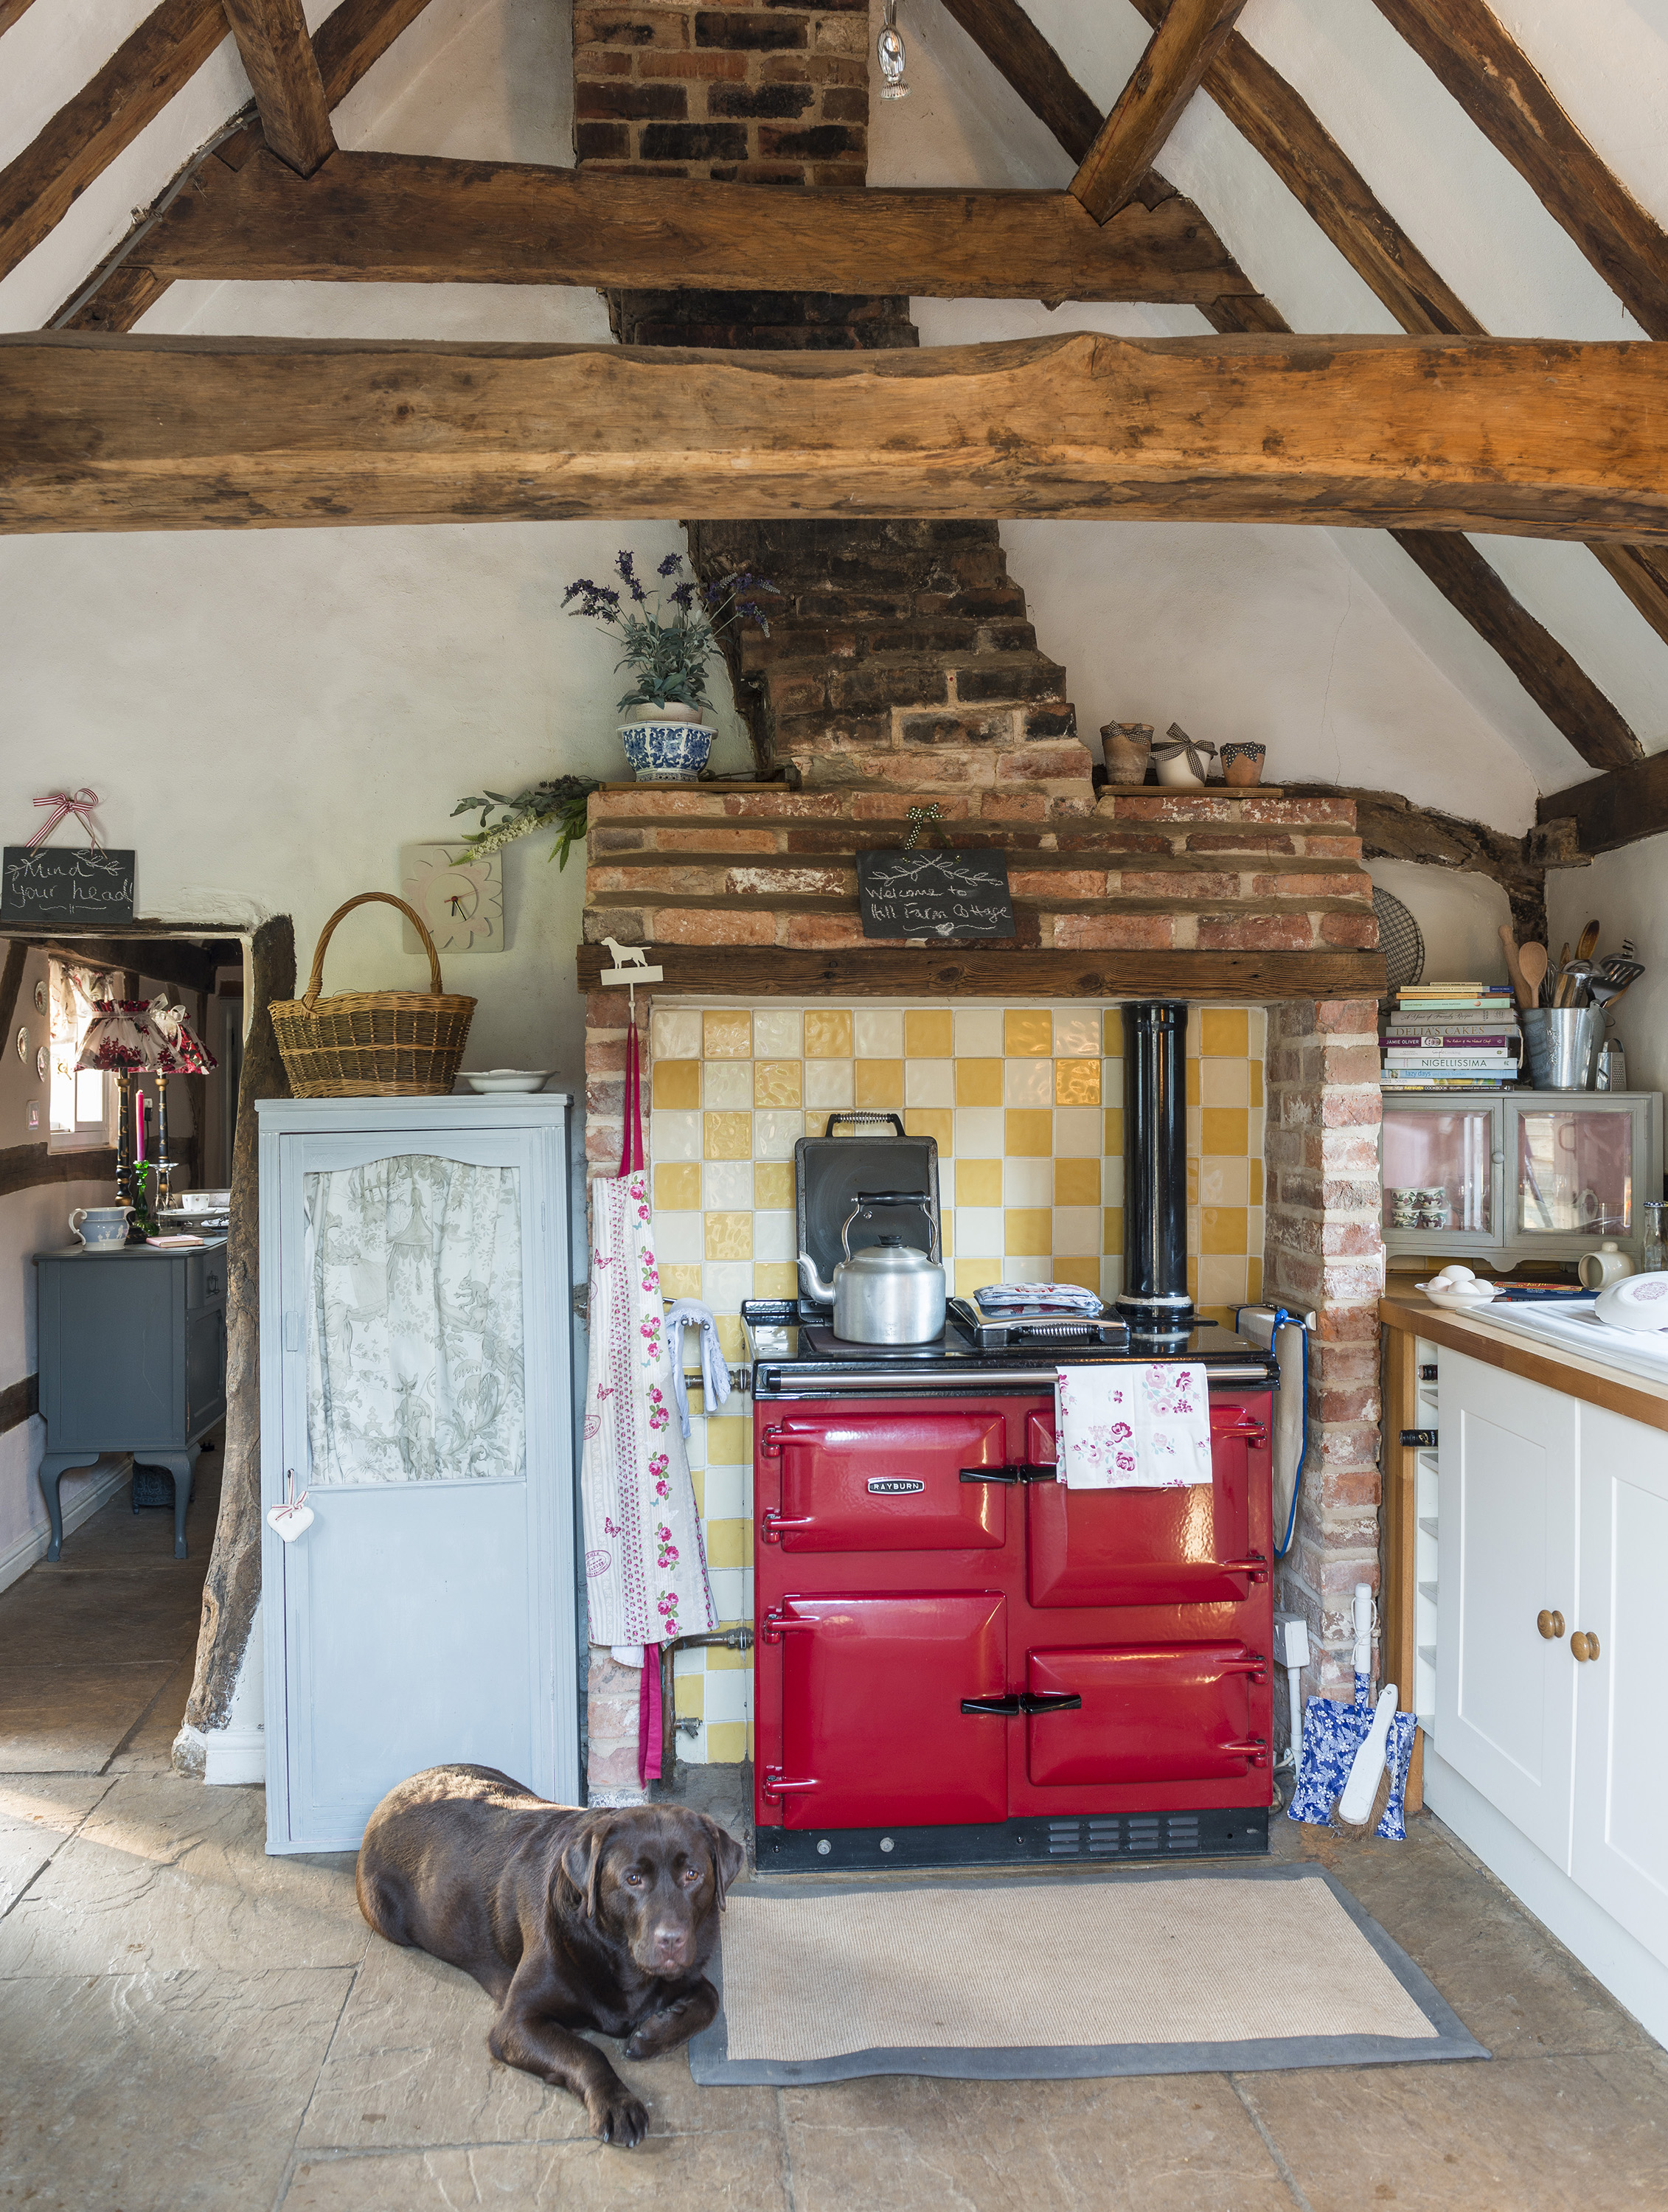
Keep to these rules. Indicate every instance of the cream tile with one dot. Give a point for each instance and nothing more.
(1027, 1182)
(877, 1033)
(1027, 1268)
(1111, 1277)
(687, 1663)
(1077, 1232)
(1224, 1083)
(729, 1696)
(828, 1084)
(776, 1130)
(978, 1232)
(675, 1033)
(1112, 1180)
(725, 1283)
(930, 1083)
(1111, 1083)
(1028, 1083)
(1221, 1280)
(674, 1136)
(981, 1132)
(774, 1236)
(727, 1084)
(946, 1184)
(978, 1032)
(1077, 1032)
(1257, 1041)
(729, 1593)
(728, 1185)
(1077, 1133)
(727, 1034)
(727, 1487)
(1224, 1182)
(677, 1238)
(777, 1033)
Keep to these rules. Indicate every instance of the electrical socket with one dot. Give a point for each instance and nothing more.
(1291, 1640)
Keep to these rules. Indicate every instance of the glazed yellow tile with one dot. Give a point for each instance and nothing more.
(732, 1338)
(729, 1236)
(979, 1182)
(681, 1282)
(1224, 1032)
(719, 1660)
(1112, 1231)
(1030, 1133)
(938, 1122)
(828, 1034)
(726, 1743)
(1076, 1182)
(773, 1187)
(726, 1035)
(1028, 1032)
(1257, 1082)
(678, 1187)
(1221, 1129)
(1112, 1033)
(1193, 1182)
(1027, 1233)
(775, 1279)
(777, 1083)
(1256, 1183)
(1085, 1271)
(688, 1691)
(927, 1033)
(973, 1274)
(727, 1136)
(1112, 1139)
(729, 1544)
(1222, 1228)
(728, 1442)
(1192, 1080)
(880, 1083)
(1077, 1083)
(676, 1083)
(978, 1082)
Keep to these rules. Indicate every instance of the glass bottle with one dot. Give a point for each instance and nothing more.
(1651, 1258)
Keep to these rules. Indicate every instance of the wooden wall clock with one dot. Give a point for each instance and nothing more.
(459, 895)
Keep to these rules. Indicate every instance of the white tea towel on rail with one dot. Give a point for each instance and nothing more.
(645, 1569)
(689, 1313)
(1143, 1427)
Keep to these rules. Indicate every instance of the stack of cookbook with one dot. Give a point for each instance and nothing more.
(1452, 1036)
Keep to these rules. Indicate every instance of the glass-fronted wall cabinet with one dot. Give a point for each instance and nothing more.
(1504, 1177)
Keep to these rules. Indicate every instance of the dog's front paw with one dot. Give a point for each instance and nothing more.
(618, 2117)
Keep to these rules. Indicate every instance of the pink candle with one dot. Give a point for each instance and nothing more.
(138, 1125)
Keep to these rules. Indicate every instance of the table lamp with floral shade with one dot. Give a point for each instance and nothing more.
(130, 1037)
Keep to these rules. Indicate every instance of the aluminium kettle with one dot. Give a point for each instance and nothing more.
(887, 1293)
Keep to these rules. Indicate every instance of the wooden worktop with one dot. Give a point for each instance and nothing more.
(1589, 1380)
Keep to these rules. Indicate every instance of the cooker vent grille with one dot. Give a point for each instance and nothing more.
(1138, 1835)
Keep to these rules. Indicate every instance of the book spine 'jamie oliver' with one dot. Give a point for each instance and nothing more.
(1463, 1040)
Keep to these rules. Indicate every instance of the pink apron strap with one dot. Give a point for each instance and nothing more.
(649, 1718)
(631, 1156)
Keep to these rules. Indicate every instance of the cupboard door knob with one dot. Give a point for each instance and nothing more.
(1551, 1625)
(1583, 1646)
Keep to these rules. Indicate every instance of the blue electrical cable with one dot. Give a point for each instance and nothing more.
(1281, 1317)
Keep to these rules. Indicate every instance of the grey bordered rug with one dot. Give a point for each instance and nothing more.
(1159, 1969)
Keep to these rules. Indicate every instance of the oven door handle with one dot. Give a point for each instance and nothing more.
(1255, 1748)
(775, 1784)
(771, 1524)
(775, 1626)
(1025, 1701)
(1022, 1472)
(1253, 1664)
(1256, 1566)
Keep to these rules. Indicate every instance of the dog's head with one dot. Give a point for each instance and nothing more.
(650, 1876)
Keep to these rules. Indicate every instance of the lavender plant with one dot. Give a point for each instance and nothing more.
(673, 636)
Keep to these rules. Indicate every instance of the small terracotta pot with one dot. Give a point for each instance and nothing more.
(1129, 748)
(1242, 765)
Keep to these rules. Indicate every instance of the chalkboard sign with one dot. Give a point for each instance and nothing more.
(65, 883)
(935, 894)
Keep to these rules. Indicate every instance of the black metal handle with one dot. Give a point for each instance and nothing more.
(1026, 1701)
(1022, 1471)
(894, 1197)
(1420, 1439)
(865, 1114)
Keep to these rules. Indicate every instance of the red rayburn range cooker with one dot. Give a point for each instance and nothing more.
(961, 1662)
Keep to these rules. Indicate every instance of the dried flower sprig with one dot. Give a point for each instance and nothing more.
(562, 801)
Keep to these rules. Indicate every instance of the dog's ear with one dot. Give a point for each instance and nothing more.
(581, 1861)
(728, 1856)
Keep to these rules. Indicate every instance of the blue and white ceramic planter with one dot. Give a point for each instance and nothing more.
(664, 752)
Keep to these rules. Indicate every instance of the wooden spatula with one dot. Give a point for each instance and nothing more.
(1532, 965)
(1526, 997)
(1589, 943)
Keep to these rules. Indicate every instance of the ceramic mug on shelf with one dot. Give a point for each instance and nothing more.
(105, 1224)
(1608, 1265)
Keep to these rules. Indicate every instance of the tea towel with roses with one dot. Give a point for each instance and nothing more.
(1141, 1427)
(645, 1566)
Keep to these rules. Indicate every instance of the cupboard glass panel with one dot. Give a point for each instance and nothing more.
(1436, 1170)
(1574, 1172)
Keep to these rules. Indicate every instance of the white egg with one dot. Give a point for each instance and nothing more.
(1456, 1273)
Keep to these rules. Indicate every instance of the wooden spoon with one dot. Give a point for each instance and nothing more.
(1515, 967)
(1532, 965)
(1589, 943)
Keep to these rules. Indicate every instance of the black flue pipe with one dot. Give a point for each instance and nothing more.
(1154, 1299)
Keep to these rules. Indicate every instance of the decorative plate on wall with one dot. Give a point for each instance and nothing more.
(459, 895)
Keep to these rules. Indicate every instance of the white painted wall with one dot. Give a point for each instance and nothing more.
(1458, 914)
(1627, 893)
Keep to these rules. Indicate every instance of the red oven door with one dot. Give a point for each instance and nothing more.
(1154, 1547)
(883, 1478)
(1151, 1713)
(872, 1732)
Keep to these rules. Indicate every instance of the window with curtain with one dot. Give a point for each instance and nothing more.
(82, 1103)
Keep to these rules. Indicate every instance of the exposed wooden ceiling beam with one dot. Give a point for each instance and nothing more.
(10, 12)
(38, 186)
(348, 41)
(1537, 438)
(290, 99)
(1552, 678)
(1642, 573)
(1500, 89)
(1613, 810)
(1008, 37)
(1164, 79)
(395, 217)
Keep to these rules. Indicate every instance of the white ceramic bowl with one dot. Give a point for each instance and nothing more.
(1461, 1296)
(1638, 1302)
(491, 1081)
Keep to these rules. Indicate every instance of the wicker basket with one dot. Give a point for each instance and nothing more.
(369, 1044)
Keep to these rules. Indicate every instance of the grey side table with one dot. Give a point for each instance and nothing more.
(132, 1352)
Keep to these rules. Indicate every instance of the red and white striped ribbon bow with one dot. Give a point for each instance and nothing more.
(79, 803)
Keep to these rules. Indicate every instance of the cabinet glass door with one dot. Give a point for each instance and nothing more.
(1574, 1172)
(1438, 1169)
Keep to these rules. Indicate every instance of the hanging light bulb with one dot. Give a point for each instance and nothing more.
(888, 47)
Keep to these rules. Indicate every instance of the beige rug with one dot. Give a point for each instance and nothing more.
(1151, 1972)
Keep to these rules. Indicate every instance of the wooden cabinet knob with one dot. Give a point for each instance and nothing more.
(1583, 1646)
(1551, 1625)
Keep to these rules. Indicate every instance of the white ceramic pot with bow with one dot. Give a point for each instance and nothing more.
(1183, 763)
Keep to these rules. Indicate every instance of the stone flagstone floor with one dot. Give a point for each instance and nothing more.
(187, 2026)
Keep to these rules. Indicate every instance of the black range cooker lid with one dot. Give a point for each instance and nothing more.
(830, 1171)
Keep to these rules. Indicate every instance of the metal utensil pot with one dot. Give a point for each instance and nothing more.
(887, 1293)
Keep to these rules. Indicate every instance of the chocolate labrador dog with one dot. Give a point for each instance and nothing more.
(566, 1919)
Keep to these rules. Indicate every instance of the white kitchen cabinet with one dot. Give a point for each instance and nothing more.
(1552, 1542)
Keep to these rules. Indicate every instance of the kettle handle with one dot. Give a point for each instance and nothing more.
(866, 1200)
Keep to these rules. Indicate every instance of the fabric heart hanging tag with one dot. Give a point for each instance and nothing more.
(295, 1516)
